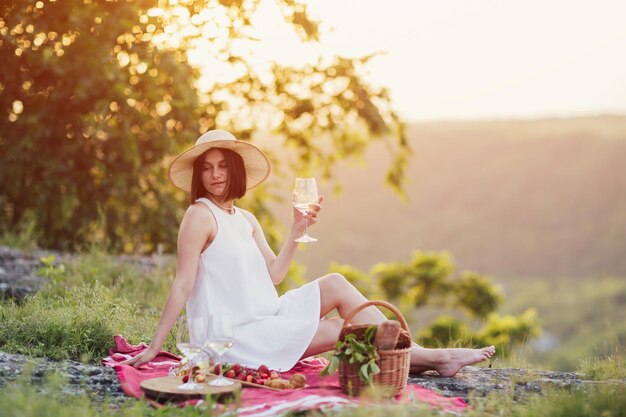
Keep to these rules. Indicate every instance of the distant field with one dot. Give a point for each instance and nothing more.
(519, 198)
(538, 205)
(583, 317)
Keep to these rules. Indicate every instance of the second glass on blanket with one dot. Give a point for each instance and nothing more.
(220, 341)
(189, 350)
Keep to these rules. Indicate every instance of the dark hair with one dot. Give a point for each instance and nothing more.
(235, 182)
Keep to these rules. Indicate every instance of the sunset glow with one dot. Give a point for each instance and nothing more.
(448, 59)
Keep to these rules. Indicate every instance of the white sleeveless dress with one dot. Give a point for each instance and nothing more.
(233, 279)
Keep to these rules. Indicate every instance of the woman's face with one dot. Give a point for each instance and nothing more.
(214, 173)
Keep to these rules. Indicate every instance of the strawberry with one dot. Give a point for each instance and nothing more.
(241, 377)
(185, 378)
(217, 369)
(230, 374)
(263, 369)
(237, 368)
(264, 375)
(249, 378)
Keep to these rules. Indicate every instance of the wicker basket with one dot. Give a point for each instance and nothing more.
(394, 364)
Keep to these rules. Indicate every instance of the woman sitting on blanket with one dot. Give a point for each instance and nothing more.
(225, 266)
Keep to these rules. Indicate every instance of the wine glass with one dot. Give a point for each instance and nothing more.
(189, 350)
(305, 194)
(220, 341)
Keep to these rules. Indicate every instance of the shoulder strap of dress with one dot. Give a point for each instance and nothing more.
(206, 202)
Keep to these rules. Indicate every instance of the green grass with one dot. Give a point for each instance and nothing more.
(23, 236)
(78, 324)
(147, 287)
(86, 302)
(586, 316)
(608, 401)
(601, 368)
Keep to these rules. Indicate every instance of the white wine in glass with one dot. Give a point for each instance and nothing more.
(305, 194)
(220, 346)
(189, 350)
(221, 339)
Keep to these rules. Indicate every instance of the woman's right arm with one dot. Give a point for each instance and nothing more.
(196, 229)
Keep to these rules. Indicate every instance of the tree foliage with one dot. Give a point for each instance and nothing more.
(97, 95)
(477, 295)
(90, 109)
(422, 280)
(428, 279)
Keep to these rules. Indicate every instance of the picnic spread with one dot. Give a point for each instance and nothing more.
(257, 400)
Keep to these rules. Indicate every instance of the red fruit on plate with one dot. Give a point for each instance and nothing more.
(237, 368)
(230, 374)
(241, 377)
(185, 378)
(263, 369)
(264, 375)
(274, 375)
(249, 378)
(217, 369)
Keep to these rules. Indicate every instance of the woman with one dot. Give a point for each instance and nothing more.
(226, 267)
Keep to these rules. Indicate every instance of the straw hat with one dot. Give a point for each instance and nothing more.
(256, 163)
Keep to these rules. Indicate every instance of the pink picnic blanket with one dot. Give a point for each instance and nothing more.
(321, 392)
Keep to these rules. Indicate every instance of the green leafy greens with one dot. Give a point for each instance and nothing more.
(353, 350)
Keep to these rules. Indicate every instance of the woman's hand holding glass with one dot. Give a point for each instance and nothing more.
(306, 203)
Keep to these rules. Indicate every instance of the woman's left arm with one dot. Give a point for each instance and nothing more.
(278, 266)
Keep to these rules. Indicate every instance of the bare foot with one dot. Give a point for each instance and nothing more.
(451, 361)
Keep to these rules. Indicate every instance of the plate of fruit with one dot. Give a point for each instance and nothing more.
(261, 377)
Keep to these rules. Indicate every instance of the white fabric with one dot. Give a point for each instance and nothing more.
(233, 279)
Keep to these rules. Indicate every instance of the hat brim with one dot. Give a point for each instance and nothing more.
(256, 163)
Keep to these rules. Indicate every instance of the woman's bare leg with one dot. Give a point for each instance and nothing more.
(325, 337)
(337, 293)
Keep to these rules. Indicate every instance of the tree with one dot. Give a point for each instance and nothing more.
(477, 295)
(90, 110)
(98, 95)
(428, 280)
(421, 281)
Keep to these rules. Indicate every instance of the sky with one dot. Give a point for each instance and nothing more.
(478, 59)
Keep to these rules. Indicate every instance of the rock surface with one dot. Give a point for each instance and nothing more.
(478, 381)
(18, 273)
(100, 382)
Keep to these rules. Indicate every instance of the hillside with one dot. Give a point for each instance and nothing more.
(543, 198)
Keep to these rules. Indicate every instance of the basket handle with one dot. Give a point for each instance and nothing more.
(380, 303)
